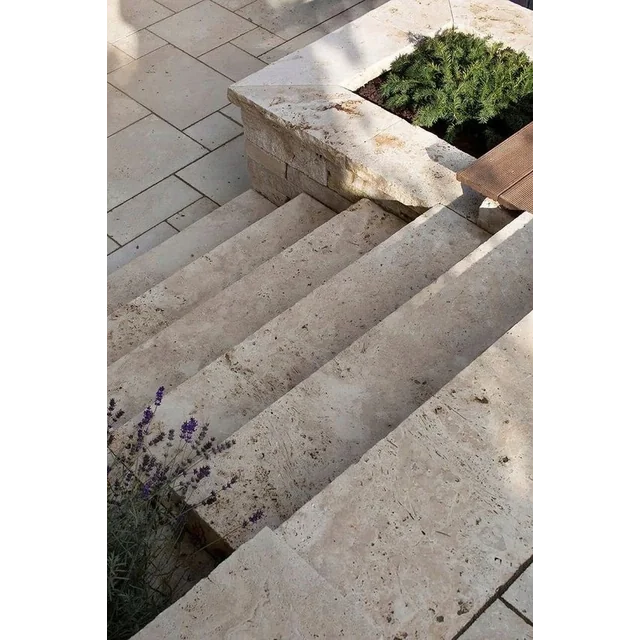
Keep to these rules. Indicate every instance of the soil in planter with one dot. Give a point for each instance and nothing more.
(471, 138)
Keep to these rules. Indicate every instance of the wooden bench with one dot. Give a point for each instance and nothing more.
(505, 174)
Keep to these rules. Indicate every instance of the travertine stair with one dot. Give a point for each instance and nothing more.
(413, 541)
(298, 444)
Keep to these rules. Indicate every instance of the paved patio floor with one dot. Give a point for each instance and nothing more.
(175, 143)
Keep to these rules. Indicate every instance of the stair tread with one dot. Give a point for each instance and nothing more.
(206, 276)
(444, 501)
(219, 323)
(296, 446)
(264, 590)
(237, 386)
(197, 239)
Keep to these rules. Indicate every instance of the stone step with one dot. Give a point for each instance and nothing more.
(247, 379)
(443, 505)
(157, 308)
(219, 323)
(159, 263)
(263, 591)
(294, 448)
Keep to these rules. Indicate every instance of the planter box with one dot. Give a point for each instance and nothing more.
(308, 132)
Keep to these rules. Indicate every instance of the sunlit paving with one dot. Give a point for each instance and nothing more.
(320, 319)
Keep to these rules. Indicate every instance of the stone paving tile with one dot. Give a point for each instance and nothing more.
(214, 131)
(233, 112)
(111, 245)
(222, 174)
(498, 622)
(122, 110)
(146, 210)
(124, 17)
(179, 5)
(520, 593)
(192, 213)
(140, 43)
(144, 153)
(232, 62)
(173, 85)
(201, 28)
(257, 42)
(234, 5)
(140, 245)
(116, 58)
(288, 20)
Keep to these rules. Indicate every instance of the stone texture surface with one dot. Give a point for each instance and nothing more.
(124, 17)
(246, 306)
(258, 41)
(201, 28)
(292, 450)
(498, 623)
(266, 160)
(194, 212)
(173, 85)
(214, 131)
(287, 19)
(232, 61)
(209, 275)
(437, 516)
(193, 242)
(520, 593)
(264, 590)
(121, 110)
(111, 245)
(149, 208)
(492, 217)
(222, 174)
(143, 154)
(116, 58)
(140, 43)
(138, 247)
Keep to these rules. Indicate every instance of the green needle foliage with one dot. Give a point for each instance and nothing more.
(460, 81)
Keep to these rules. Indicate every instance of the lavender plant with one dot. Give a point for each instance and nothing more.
(150, 479)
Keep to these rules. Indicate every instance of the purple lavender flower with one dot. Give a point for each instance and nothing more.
(187, 429)
(159, 396)
(201, 473)
(171, 434)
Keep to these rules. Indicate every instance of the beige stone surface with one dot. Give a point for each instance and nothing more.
(127, 16)
(262, 591)
(149, 208)
(116, 58)
(443, 504)
(257, 41)
(143, 154)
(269, 162)
(492, 217)
(287, 19)
(140, 43)
(232, 61)
(275, 188)
(179, 5)
(225, 320)
(122, 110)
(498, 623)
(205, 278)
(214, 131)
(196, 240)
(520, 593)
(173, 85)
(281, 144)
(111, 245)
(222, 174)
(141, 245)
(192, 213)
(292, 450)
(201, 28)
(232, 112)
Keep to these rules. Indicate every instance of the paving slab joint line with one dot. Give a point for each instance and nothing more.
(496, 596)
(507, 604)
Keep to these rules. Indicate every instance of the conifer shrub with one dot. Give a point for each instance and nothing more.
(461, 85)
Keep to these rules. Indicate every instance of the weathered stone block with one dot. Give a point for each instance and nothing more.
(271, 186)
(269, 162)
(328, 197)
(281, 144)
